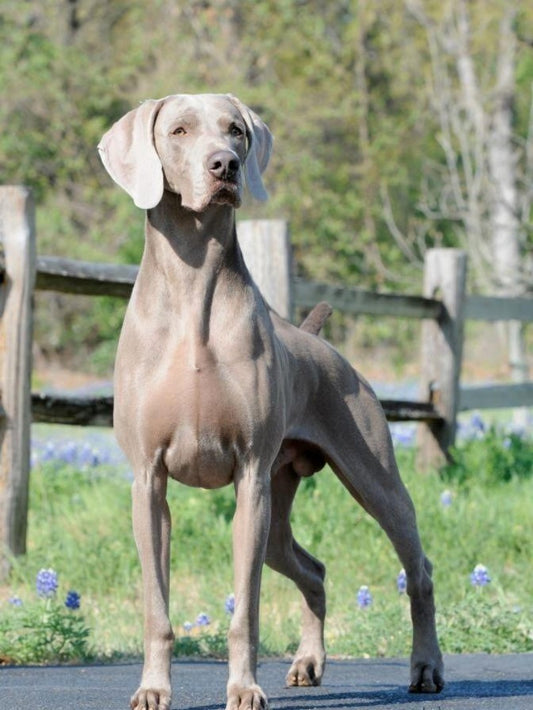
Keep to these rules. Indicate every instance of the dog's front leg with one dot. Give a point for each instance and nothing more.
(151, 527)
(250, 534)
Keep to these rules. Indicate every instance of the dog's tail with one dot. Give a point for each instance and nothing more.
(315, 320)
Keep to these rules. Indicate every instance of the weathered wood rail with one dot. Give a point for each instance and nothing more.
(92, 279)
(267, 251)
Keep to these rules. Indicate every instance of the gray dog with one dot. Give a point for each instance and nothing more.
(212, 387)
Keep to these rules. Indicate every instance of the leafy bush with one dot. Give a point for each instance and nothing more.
(80, 522)
(207, 645)
(490, 456)
(45, 630)
(478, 622)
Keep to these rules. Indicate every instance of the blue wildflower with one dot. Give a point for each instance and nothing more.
(187, 626)
(15, 601)
(46, 582)
(49, 451)
(73, 600)
(68, 452)
(477, 423)
(202, 620)
(401, 582)
(364, 598)
(88, 456)
(480, 576)
(446, 498)
(402, 434)
(229, 604)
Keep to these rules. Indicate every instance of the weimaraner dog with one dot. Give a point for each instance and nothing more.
(212, 387)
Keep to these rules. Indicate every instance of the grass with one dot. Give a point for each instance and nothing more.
(80, 526)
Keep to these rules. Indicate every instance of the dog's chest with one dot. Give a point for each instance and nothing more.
(203, 414)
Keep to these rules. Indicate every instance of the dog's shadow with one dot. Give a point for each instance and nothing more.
(392, 696)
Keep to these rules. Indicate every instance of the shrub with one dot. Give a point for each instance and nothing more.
(500, 457)
(44, 630)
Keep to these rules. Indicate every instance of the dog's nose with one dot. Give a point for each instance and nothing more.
(223, 164)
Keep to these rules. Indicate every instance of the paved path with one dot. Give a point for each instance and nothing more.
(474, 682)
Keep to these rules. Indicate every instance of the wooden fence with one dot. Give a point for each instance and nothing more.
(267, 252)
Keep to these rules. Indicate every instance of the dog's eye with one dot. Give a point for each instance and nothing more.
(236, 131)
(179, 131)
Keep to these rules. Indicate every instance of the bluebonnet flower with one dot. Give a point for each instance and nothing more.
(446, 498)
(46, 582)
(403, 434)
(187, 626)
(401, 582)
(476, 422)
(480, 576)
(15, 601)
(473, 428)
(73, 600)
(477, 426)
(68, 452)
(202, 620)
(364, 598)
(229, 604)
(88, 456)
(49, 451)
(94, 452)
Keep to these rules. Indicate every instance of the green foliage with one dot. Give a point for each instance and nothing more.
(43, 631)
(481, 621)
(499, 458)
(204, 645)
(73, 510)
(80, 524)
(343, 87)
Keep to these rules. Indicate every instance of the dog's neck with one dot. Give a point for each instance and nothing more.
(190, 260)
(195, 237)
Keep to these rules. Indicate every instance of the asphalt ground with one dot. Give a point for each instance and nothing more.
(473, 682)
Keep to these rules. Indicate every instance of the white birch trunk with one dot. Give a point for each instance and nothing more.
(505, 224)
(505, 221)
(489, 195)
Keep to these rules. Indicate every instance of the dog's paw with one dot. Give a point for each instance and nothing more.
(427, 678)
(305, 671)
(246, 698)
(150, 699)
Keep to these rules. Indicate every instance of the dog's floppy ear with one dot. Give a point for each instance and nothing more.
(128, 153)
(260, 147)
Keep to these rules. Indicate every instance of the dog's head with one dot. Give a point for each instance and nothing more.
(201, 147)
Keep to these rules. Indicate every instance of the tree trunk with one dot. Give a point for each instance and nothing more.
(505, 222)
(482, 157)
(505, 233)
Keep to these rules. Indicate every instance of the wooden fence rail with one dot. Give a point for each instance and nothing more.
(442, 310)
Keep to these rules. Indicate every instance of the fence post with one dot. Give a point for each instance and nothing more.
(17, 233)
(442, 349)
(266, 248)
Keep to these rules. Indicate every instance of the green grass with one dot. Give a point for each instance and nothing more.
(80, 525)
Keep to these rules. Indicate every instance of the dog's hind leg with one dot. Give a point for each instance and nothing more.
(393, 509)
(362, 456)
(286, 556)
